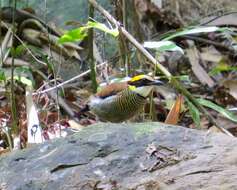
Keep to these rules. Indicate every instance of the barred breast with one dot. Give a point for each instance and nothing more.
(118, 108)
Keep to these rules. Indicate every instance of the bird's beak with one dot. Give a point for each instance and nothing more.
(156, 83)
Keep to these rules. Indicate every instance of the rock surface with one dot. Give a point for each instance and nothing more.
(149, 156)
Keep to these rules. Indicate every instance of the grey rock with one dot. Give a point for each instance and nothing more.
(125, 156)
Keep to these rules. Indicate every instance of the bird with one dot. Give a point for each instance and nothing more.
(120, 101)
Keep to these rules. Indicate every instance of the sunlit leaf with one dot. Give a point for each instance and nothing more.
(74, 35)
(196, 30)
(217, 108)
(194, 112)
(23, 80)
(24, 75)
(163, 46)
(103, 27)
(80, 33)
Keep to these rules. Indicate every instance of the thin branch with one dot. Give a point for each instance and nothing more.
(91, 51)
(68, 81)
(14, 129)
(72, 79)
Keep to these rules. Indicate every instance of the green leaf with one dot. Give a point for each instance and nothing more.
(13, 51)
(196, 30)
(19, 50)
(24, 75)
(103, 27)
(184, 78)
(163, 46)
(194, 112)
(221, 67)
(2, 75)
(219, 109)
(74, 35)
(24, 80)
(80, 33)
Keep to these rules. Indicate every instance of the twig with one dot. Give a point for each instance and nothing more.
(15, 130)
(91, 52)
(72, 79)
(68, 81)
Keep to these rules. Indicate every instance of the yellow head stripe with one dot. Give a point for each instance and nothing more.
(138, 77)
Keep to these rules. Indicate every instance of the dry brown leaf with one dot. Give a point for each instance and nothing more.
(232, 86)
(197, 69)
(211, 57)
(224, 20)
(173, 116)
